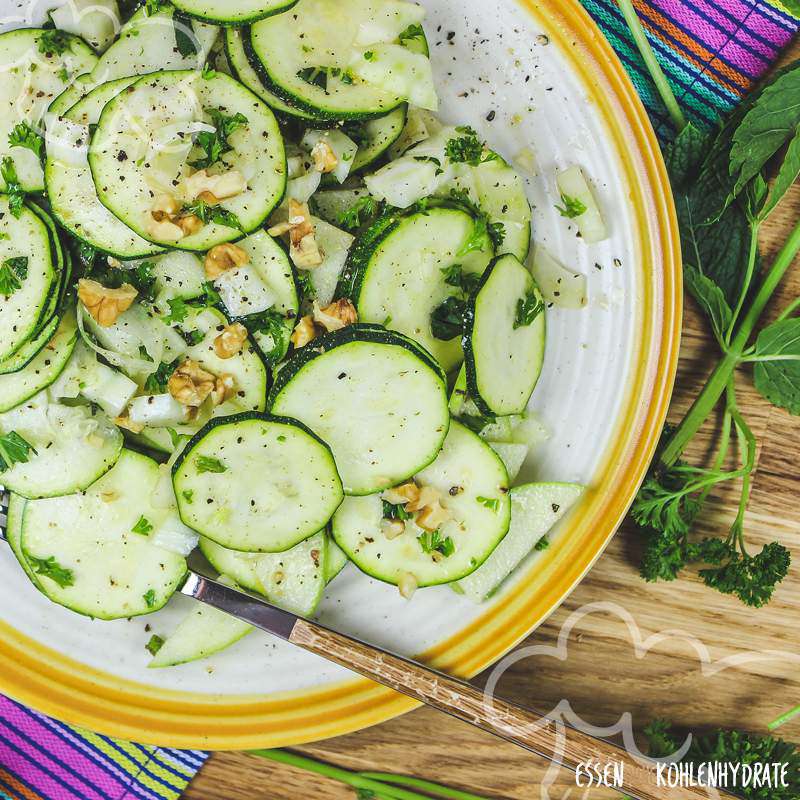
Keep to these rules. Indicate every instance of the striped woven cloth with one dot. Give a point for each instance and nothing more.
(713, 51)
(41, 759)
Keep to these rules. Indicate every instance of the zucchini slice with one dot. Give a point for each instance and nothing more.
(73, 447)
(256, 483)
(239, 13)
(336, 561)
(16, 509)
(405, 267)
(86, 553)
(504, 338)
(305, 56)
(234, 39)
(29, 266)
(43, 369)
(133, 164)
(535, 508)
(29, 350)
(376, 398)
(71, 191)
(37, 66)
(473, 486)
(203, 632)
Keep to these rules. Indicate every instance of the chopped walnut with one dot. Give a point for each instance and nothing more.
(125, 422)
(427, 495)
(324, 158)
(304, 332)
(407, 584)
(190, 384)
(164, 208)
(226, 184)
(189, 224)
(300, 221)
(306, 253)
(208, 198)
(335, 316)
(400, 495)
(104, 304)
(432, 516)
(165, 230)
(224, 389)
(392, 528)
(231, 340)
(224, 257)
(303, 248)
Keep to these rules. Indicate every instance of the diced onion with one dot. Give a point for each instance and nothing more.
(174, 536)
(560, 286)
(96, 21)
(388, 22)
(403, 182)
(243, 292)
(572, 183)
(302, 187)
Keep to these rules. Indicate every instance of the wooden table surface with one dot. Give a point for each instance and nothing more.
(604, 676)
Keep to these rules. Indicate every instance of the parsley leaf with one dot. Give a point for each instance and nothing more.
(14, 449)
(143, 526)
(432, 542)
(185, 39)
(16, 196)
(492, 503)
(209, 464)
(208, 213)
(157, 382)
(306, 285)
(364, 210)
(208, 72)
(154, 644)
(573, 207)
(454, 275)
(50, 568)
(542, 544)
(215, 144)
(392, 511)
(23, 135)
(272, 324)
(496, 231)
(53, 42)
(528, 309)
(178, 311)
(411, 33)
(149, 598)
(140, 277)
(320, 76)
(468, 148)
(12, 272)
(188, 495)
(447, 319)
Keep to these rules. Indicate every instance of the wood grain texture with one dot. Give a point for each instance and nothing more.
(603, 676)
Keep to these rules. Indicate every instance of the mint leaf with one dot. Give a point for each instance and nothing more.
(777, 377)
(710, 298)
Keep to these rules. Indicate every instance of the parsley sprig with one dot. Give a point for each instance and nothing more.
(12, 272)
(216, 214)
(215, 144)
(723, 196)
(364, 210)
(14, 449)
(529, 308)
(50, 568)
(14, 191)
(53, 42)
(467, 148)
(23, 135)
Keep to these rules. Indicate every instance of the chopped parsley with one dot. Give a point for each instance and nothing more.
(154, 644)
(495, 231)
(369, 55)
(12, 272)
(153, 7)
(140, 277)
(432, 160)
(14, 450)
(178, 311)
(143, 526)
(50, 568)
(157, 382)
(572, 207)
(215, 144)
(14, 191)
(392, 511)
(208, 72)
(149, 598)
(270, 323)
(53, 42)
(528, 309)
(362, 211)
(468, 148)
(432, 542)
(188, 495)
(209, 464)
(320, 76)
(491, 503)
(306, 285)
(447, 319)
(23, 135)
(411, 33)
(454, 275)
(208, 213)
(542, 544)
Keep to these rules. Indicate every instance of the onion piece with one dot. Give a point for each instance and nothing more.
(560, 286)
(573, 184)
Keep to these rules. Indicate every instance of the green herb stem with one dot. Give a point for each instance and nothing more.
(784, 718)
(789, 310)
(425, 786)
(353, 779)
(751, 266)
(708, 398)
(653, 67)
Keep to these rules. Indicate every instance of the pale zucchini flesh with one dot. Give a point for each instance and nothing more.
(383, 411)
(256, 483)
(473, 485)
(113, 571)
(239, 13)
(535, 509)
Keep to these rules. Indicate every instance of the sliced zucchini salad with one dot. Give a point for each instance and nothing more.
(256, 299)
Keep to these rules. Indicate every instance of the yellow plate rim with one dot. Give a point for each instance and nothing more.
(70, 691)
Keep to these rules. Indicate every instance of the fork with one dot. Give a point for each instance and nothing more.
(538, 733)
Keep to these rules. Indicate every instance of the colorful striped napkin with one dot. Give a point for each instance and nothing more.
(712, 51)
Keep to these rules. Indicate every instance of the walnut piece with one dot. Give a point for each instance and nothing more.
(224, 389)
(335, 316)
(392, 528)
(164, 231)
(303, 248)
(305, 254)
(400, 495)
(324, 158)
(190, 384)
(164, 208)
(224, 257)
(431, 517)
(304, 332)
(226, 184)
(104, 304)
(407, 585)
(231, 340)
(189, 224)
(125, 422)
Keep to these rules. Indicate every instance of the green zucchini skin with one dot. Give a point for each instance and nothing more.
(221, 19)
